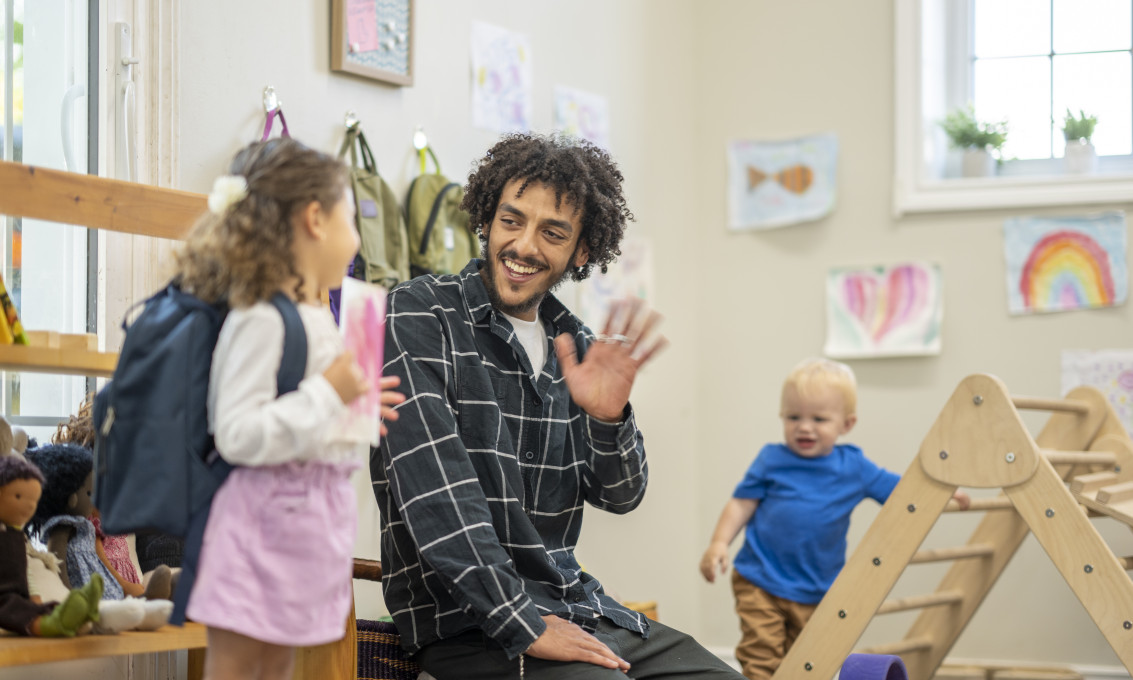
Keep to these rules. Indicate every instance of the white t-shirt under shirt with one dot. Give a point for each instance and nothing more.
(533, 337)
(251, 425)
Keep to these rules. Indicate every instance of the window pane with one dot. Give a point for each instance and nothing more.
(1101, 85)
(1017, 90)
(1011, 28)
(1091, 25)
(45, 263)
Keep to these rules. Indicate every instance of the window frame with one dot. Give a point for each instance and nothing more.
(916, 191)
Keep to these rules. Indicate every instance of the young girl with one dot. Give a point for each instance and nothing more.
(276, 560)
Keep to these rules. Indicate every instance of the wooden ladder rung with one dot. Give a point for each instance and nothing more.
(1115, 493)
(1126, 562)
(982, 504)
(1092, 482)
(1063, 405)
(901, 646)
(957, 553)
(921, 601)
(1079, 457)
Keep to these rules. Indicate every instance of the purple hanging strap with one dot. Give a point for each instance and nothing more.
(277, 111)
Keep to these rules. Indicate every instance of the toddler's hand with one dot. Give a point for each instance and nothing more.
(389, 399)
(715, 558)
(962, 498)
(346, 377)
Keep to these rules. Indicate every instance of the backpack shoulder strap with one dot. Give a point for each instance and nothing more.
(294, 363)
(433, 216)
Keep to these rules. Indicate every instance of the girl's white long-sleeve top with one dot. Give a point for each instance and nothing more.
(250, 423)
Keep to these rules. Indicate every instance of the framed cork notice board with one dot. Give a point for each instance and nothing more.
(373, 39)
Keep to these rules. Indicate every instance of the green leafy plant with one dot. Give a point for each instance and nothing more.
(965, 132)
(1079, 127)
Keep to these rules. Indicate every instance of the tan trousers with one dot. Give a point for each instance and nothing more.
(770, 626)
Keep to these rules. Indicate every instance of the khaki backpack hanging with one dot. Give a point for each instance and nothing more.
(440, 238)
(383, 257)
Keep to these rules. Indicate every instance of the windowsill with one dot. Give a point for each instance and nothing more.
(1019, 191)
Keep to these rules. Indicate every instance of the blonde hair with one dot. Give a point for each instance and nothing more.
(814, 375)
(244, 254)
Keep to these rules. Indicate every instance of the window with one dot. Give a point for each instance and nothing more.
(1026, 62)
(1035, 59)
(48, 64)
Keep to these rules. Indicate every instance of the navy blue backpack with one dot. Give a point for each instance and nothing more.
(155, 466)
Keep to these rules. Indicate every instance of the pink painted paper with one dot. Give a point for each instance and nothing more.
(363, 324)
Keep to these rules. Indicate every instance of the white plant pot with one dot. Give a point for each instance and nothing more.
(1081, 157)
(977, 163)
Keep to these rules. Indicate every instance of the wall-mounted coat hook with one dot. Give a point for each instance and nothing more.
(271, 102)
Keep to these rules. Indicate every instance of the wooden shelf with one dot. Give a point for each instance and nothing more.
(19, 651)
(62, 360)
(97, 202)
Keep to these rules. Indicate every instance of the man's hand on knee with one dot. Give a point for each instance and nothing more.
(565, 641)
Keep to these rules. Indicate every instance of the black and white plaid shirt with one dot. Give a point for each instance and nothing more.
(481, 480)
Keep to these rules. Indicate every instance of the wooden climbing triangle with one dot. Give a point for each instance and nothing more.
(1081, 461)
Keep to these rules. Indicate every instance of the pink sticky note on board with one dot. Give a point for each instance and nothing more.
(363, 314)
(362, 25)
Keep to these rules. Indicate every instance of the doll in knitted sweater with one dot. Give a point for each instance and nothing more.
(20, 487)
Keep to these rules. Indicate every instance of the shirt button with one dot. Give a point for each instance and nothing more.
(529, 455)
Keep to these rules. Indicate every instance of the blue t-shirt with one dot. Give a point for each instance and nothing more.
(795, 543)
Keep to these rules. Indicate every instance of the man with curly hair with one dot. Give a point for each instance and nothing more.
(481, 485)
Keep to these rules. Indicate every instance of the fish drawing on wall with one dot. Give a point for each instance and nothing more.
(795, 179)
(1059, 264)
(773, 184)
(884, 311)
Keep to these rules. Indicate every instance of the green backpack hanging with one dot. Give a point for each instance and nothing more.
(383, 256)
(440, 238)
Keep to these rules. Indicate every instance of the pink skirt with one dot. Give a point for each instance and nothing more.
(277, 557)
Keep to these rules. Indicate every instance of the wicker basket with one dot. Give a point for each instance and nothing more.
(380, 656)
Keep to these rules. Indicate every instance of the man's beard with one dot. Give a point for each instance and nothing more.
(488, 272)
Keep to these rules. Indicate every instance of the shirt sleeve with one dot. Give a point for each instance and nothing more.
(434, 486)
(754, 484)
(253, 425)
(617, 472)
(878, 482)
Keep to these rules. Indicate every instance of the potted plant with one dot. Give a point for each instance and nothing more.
(1081, 157)
(976, 140)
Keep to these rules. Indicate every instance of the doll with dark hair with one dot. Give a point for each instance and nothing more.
(20, 487)
(63, 522)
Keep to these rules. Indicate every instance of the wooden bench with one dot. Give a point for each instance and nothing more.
(113, 205)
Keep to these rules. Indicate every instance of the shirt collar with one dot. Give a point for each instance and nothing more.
(480, 307)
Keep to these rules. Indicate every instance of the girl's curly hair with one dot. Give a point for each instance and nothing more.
(578, 172)
(244, 255)
(65, 468)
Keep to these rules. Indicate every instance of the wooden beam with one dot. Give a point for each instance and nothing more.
(97, 202)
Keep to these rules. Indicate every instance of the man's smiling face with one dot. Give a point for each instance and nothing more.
(531, 244)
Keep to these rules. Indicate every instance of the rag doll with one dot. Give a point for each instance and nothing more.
(45, 584)
(63, 523)
(20, 487)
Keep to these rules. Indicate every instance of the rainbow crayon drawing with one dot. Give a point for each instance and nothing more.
(1060, 264)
